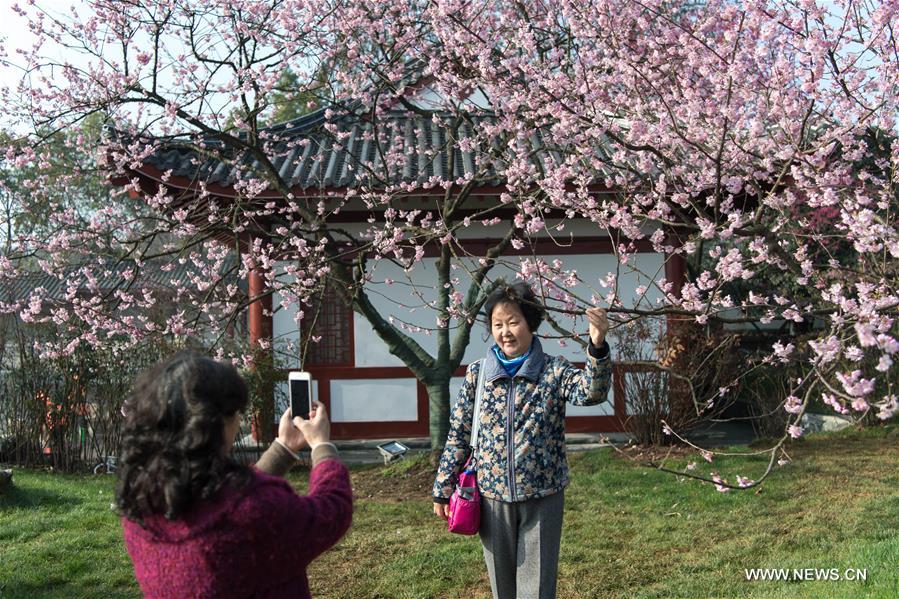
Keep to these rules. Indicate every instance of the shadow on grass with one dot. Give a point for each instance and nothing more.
(15, 590)
(50, 589)
(25, 497)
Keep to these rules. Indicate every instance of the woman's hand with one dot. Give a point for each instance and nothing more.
(317, 429)
(289, 434)
(442, 510)
(599, 325)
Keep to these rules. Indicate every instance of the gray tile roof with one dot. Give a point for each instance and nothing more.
(153, 276)
(321, 151)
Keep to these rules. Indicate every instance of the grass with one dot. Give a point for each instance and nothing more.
(629, 531)
(59, 538)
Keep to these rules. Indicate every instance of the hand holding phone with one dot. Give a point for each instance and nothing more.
(300, 392)
(318, 428)
(297, 434)
(289, 433)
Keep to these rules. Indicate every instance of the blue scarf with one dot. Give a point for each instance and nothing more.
(511, 366)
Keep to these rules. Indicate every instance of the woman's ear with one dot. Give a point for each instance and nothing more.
(231, 428)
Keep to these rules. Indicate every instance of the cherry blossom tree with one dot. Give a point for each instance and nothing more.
(746, 138)
(750, 142)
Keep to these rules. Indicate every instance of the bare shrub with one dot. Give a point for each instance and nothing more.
(672, 373)
(64, 412)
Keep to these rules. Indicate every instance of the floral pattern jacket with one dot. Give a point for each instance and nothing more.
(520, 453)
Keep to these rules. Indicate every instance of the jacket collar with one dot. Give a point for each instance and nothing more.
(530, 369)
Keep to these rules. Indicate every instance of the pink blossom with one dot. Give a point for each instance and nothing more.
(719, 483)
(860, 405)
(865, 334)
(854, 353)
(793, 404)
(783, 352)
(888, 407)
(854, 384)
(888, 344)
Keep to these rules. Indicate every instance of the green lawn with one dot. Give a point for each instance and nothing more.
(629, 531)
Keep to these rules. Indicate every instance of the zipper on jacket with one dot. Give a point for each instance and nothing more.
(510, 438)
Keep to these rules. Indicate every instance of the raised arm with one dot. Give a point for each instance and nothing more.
(311, 523)
(588, 386)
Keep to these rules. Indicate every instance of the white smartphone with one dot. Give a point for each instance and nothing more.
(300, 392)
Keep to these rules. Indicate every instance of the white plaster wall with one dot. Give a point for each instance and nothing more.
(283, 326)
(285, 332)
(604, 409)
(397, 301)
(386, 400)
(374, 400)
(641, 270)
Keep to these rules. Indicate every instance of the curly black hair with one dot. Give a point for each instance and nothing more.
(173, 436)
(518, 294)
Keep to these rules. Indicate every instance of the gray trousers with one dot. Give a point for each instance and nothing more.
(521, 546)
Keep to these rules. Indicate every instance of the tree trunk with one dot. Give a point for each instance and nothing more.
(262, 392)
(438, 412)
(264, 419)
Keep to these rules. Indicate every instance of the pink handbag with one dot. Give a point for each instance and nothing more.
(465, 503)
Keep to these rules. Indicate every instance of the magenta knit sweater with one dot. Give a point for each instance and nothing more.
(251, 542)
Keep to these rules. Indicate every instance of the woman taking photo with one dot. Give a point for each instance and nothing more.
(520, 458)
(199, 524)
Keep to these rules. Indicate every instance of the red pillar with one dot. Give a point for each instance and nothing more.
(260, 329)
(260, 310)
(676, 271)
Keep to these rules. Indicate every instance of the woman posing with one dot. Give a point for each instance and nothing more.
(520, 459)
